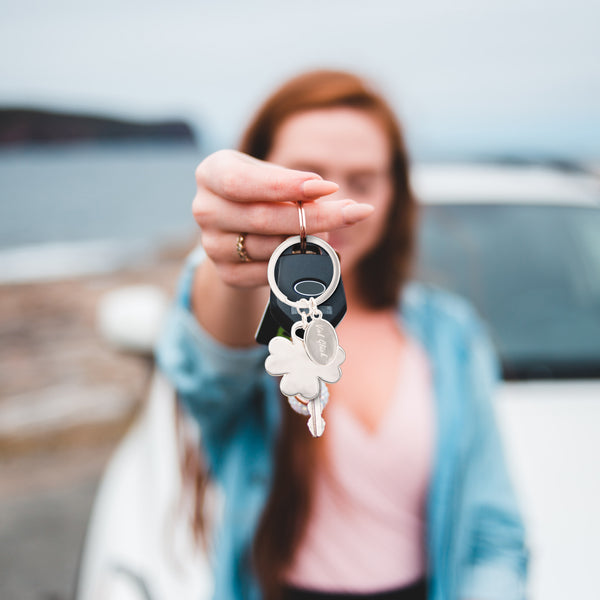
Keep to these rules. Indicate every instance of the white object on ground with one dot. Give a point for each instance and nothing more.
(130, 318)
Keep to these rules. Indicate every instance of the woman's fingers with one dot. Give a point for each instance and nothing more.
(269, 218)
(239, 194)
(243, 275)
(242, 178)
(223, 246)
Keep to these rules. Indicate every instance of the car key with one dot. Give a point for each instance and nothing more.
(316, 423)
(306, 362)
(300, 275)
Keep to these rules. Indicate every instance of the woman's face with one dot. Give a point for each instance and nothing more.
(348, 146)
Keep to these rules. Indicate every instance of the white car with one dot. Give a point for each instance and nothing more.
(523, 244)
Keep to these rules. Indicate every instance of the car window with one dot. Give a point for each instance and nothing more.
(532, 271)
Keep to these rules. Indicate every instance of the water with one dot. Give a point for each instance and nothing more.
(65, 207)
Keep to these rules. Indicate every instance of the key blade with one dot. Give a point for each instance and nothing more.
(316, 423)
(316, 427)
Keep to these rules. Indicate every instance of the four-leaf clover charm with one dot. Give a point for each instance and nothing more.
(303, 366)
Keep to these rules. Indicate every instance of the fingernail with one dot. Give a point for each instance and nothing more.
(314, 188)
(356, 212)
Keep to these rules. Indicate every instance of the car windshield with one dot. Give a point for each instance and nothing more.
(532, 271)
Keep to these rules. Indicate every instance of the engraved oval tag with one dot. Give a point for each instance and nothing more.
(321, 342)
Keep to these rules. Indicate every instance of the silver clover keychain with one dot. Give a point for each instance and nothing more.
(312, 356)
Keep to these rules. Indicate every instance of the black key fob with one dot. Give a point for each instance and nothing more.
(298, 274)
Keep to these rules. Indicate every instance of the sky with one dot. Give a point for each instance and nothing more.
(468, 78)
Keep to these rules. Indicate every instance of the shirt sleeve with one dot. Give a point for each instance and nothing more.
(214, 382)
(496, 560)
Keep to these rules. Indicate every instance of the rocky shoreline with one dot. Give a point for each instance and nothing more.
(62, 383)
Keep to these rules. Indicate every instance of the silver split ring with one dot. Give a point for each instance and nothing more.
(302, 217)
(311, 239)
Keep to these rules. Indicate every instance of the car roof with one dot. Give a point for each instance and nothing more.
(473, 183)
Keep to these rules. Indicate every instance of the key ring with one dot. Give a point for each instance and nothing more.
(311, 239)
(302, 217)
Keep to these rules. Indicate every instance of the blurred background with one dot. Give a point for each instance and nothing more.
(105, 110)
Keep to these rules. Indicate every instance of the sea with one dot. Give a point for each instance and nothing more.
(76, 209)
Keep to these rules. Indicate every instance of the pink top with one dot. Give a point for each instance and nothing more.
(367, 532)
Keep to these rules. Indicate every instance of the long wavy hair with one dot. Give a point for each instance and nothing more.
(380, 277)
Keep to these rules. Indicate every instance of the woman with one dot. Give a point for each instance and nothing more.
(406, 494)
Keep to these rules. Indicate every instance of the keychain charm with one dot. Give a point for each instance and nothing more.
(307, 301)
(293, 359)
(321, 342)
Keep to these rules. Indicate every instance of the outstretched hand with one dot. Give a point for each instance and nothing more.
(237, 193)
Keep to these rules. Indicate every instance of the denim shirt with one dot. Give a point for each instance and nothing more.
(475, 536)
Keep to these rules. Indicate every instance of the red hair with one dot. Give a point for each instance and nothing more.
(380, 277)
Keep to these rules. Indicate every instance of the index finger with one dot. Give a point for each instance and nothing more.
(242, 178)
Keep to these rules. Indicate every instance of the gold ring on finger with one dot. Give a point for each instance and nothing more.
(240, 246)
